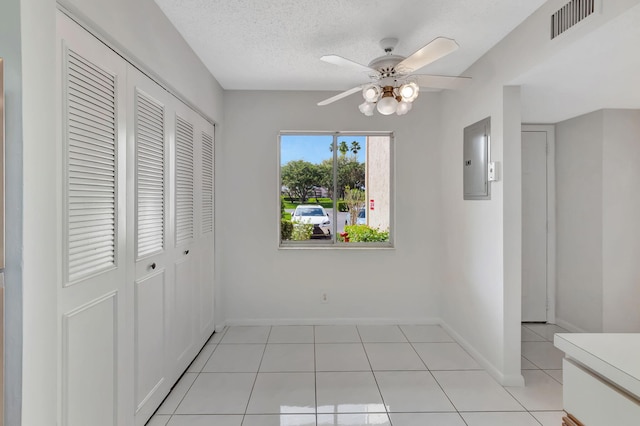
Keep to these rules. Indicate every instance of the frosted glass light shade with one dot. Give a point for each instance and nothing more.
(409, 91)
(367, 108)
(403, 107)
(387, 105)
(371, 93)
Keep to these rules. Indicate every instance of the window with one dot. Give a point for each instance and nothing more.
(335, 189)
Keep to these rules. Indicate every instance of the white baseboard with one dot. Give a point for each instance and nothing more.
(569, 327)
(504, 380)
(331, 321)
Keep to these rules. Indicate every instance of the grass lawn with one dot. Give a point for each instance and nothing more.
(327, 203)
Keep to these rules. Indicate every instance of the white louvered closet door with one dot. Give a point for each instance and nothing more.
(148, 169)
(185, 253)
(91, 298)
(206, 240)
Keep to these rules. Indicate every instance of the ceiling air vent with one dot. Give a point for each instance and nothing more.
(570, 14)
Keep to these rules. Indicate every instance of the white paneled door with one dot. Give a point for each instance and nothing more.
(192, 249)
(206, 243)
(92, 303)
(184, 248)
(534, 226)
(148, 165)
(136, 295)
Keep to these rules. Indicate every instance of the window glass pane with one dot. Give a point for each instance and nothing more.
(335, 188)
(364, 177)
(307, 189)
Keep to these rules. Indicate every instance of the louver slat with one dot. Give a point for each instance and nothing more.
(150, 176)
(91, 162)
(184, 181)
(207, 183)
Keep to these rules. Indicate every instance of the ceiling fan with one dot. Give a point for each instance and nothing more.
(394, 86)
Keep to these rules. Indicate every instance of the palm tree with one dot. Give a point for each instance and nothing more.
(355, 147)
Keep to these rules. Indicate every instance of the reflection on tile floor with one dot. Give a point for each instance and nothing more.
(409, 375)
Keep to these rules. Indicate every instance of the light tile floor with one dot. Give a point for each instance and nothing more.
(360, 375)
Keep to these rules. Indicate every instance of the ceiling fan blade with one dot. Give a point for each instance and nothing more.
(441, 81)
(340, 96)
(348, 63)
(433, 51)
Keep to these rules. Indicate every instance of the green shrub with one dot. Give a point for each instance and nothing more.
(342, 206)
(302, 231)
(365, 234)
(286, 228)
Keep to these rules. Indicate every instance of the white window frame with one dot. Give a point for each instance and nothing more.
(334, 243)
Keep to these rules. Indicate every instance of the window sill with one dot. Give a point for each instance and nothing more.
(343, 246)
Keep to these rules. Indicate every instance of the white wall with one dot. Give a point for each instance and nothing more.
(598, 236)
(39, 221)
(472, 291)
(482, 289)
(597, 205)
(263, 283)
(10, 50)
(579, 236)
(621, 224)
(378, 184)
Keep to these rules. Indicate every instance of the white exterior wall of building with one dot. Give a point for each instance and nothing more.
(378, 182)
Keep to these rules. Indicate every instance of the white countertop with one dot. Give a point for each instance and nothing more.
(613, 356)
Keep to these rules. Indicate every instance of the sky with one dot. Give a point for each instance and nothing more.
(314, 148)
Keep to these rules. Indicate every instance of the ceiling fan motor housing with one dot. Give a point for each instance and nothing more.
(386, 65)
(388, 44)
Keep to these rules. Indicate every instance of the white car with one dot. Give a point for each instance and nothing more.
(316, 215)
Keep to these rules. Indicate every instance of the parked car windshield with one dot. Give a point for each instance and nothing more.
(361, 213)
(309, 211)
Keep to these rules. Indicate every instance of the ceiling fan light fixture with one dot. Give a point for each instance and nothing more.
(394, 86)
(367, 108)
(403, 107)
(388, 103)
(409, 91)
(371, 93)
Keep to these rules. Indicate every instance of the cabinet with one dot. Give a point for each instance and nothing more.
(601, 378)
(136, 295)
(170, 171)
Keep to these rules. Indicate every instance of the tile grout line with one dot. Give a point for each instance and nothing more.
(533, 363)
(432, 375)
(536, 333)
(215, 346)
(173, 412)
(545, 372)
(538, 369)
(384, 404)
(256, 378)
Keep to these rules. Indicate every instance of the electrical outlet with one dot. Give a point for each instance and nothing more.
(324, 298)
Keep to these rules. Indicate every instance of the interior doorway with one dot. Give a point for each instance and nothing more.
(538, 223)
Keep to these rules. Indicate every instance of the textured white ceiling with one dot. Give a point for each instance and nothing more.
(276, 44)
